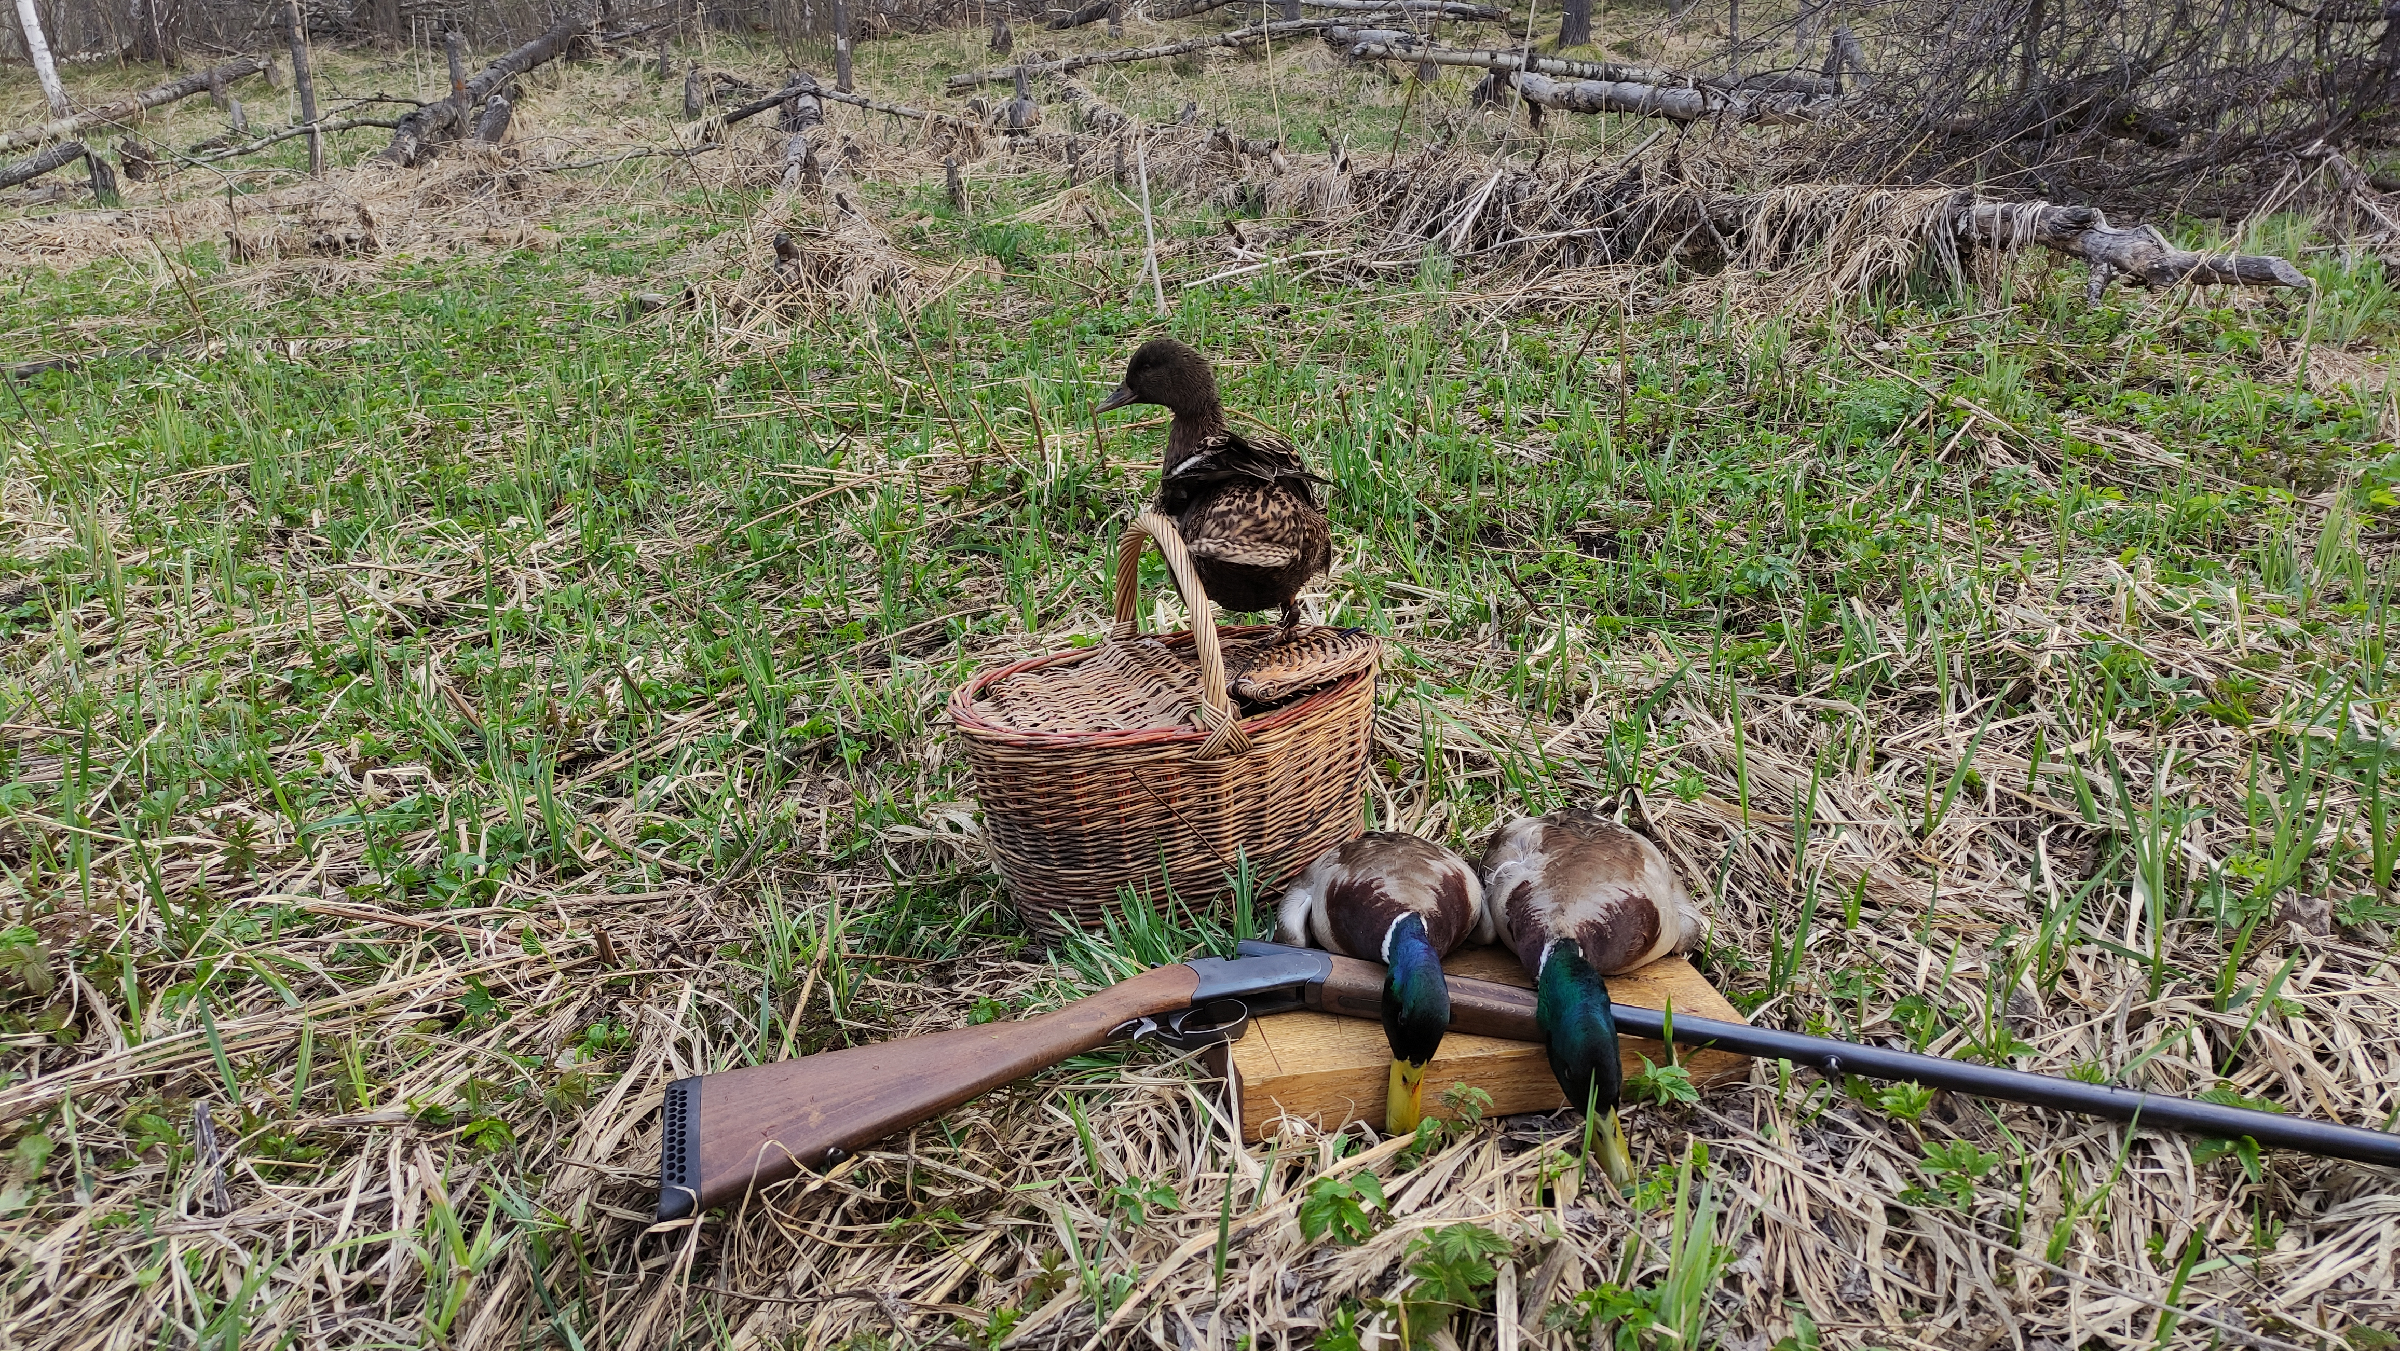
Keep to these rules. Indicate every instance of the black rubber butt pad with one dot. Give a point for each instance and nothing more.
(679, 1150)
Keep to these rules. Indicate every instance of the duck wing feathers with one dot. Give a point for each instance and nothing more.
(1576, 874)
(1254, 525)
(1226, 456)
(1348, 900)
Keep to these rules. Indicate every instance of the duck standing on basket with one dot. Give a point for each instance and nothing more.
(1246, 506)
(1578, 896)
(1405, 902)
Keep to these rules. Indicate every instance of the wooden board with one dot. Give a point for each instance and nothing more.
(1326, 1070)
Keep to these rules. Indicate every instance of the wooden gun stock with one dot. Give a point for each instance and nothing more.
(731, 1133)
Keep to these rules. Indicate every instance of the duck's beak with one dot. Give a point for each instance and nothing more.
(1404, 1101)
(1122, 397)
(1616, 1157)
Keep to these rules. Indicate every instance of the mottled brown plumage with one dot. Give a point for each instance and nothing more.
(1245, 505)
(1348, 900)
(1577, 874)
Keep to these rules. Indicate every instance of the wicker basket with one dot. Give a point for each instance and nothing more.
(1128, 765)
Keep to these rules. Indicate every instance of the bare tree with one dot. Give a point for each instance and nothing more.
(38, 48)
(304, 84)
(1575, 24)
(841, 45)
(154, 23)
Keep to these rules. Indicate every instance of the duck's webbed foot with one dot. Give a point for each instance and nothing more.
(1288, 625)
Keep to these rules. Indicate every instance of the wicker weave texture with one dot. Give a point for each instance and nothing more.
(1111, 769)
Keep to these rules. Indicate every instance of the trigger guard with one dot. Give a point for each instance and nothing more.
(1219, 1020)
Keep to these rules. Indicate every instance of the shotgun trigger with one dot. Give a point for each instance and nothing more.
(1202, 1025)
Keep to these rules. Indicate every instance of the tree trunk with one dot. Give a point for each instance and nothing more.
(1575, 24)
(2029, 70)
(841, 45)
(37, 47)
(127, 107)
(152, 40)
(435, 122)
(56, 156)
(2136, 253)
(387, 19)
(104, 180)
(1676, 104)
(454, 50)
(304, 84)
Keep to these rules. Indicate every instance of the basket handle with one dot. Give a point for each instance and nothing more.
(1216, 710)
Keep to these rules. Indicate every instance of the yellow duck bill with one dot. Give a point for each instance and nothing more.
(1404, 1100)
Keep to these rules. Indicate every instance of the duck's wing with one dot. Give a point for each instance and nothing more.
(1518, 909)
(1247, 523)
(1485, 927)
(1303, 905)
(1572, 875)
(1229, 455)
(1619, 896)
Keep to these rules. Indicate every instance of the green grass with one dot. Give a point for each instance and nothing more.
(446, 625)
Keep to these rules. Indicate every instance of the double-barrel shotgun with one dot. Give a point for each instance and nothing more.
(732, 1133)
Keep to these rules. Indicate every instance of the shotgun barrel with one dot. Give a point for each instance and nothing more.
(2323, 1138)
(1507, 1011)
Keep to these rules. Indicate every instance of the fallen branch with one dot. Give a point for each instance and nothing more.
(198, 82)
(1239, 37)
(1457, 9)
(1091, 13)
(421, 130)
(1439, 9)
(807, 84)
(1687, 104)
(1392, 44)
(57, 155)
(327, 126)
(2138, 254)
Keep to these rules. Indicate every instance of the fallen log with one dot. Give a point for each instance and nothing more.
(1687, 104)
(1439, 9)
(1446, 9)
(2137, 254)
(1392, 44)
(421, 130)
(801, 116)
(1239, 37)
(124, 109)
(1091, 13)
(57, 155)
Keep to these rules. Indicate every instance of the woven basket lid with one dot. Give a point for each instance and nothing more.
(1139, 682)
